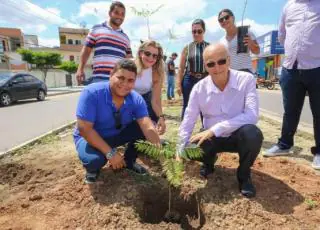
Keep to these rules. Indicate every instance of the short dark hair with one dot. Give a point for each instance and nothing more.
(174, 54)
(125, 64)
(200, 22)
(116, 4)
(226, 11)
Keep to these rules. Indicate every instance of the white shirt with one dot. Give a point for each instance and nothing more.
(143, 83)
(299, 31)
(241, 60)
(223, 111)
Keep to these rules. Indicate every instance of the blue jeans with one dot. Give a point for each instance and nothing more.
(294, 84)
(187, 85)
(171, 84)
(93, 160)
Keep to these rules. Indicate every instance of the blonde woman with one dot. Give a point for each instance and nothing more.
(151, 72)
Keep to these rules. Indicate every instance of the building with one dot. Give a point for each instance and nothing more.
(268, 63)
(71, 43)
(30, 41)
(11, 40)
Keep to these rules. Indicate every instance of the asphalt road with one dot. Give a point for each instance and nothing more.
(26, 120)
(271, 102)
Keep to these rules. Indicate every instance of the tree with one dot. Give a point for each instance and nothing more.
(43, 61)
(146, 13)
(174, 170)
(69, 66)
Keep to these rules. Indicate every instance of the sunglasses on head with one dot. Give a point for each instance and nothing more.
(219, 62)
(148, 54)
(224, 18)
(197, 31)
(117, 118)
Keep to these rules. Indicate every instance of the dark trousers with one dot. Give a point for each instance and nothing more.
(93, 160)
(187, 85)
(246, 141)
(148, 98)
(294, 84)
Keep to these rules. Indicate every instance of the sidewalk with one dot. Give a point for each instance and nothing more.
(63, 90)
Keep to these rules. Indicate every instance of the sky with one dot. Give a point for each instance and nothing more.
(43, 17)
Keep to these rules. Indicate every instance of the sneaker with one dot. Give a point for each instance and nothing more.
(137, 168)
(277, 150)
(247, 189)
(316, 162)
(91, 177)
(206, 170)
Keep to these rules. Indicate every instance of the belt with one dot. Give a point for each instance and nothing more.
(198, 75)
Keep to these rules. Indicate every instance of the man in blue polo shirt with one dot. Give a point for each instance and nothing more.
(109, 115)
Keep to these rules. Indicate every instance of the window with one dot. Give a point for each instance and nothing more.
(29, 78)
(71, 58)
(70, 42)
(15, 43)
(19, 79)
(63, 39)
(78, 42)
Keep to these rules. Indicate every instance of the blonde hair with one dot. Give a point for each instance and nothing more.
(158, 67)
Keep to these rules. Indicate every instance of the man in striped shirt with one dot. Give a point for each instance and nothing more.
(110, 44)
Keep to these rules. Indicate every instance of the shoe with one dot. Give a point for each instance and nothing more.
(277, 150)
(137, 168)
(206, 170)
(247, 189)
(316, 162)
(91, 177)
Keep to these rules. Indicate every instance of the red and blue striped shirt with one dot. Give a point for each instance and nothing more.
(109, 47)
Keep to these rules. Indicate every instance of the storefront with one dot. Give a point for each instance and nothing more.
(268, 63)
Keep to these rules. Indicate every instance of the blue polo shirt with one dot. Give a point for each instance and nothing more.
(95, 105)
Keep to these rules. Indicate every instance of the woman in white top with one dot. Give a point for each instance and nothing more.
(151, 71)
(241, 61)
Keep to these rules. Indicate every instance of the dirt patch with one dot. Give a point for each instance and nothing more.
(43, 189)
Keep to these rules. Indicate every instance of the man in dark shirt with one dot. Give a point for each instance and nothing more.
(171, 76)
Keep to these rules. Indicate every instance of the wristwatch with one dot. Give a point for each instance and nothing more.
(162, 115)
(110, 154)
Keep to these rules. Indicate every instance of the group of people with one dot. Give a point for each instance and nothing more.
(216, 83)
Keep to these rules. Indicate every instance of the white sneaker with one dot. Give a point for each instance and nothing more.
(316, 162)
(277, 151)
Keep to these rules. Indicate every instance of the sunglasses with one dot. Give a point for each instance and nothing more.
(197, 31)
(219, 62)
(148, 54)
(224, 18)
(117, 118)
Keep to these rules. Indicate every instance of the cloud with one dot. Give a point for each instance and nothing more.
(29, 17)
(49, 42)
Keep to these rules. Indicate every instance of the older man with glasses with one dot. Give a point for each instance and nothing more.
(109, 115)
(229, 103)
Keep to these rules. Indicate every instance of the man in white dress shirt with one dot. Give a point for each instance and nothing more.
(229, 104)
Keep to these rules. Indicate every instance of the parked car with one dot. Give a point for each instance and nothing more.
(20, 86)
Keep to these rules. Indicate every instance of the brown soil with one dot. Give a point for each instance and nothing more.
(43, 189)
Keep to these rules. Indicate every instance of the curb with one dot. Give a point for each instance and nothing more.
(62, 93)
(34, 140)
(302, 127)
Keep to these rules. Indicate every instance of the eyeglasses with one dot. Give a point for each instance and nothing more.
(197, 31)
(148, 54)
(117, 118)
(224, 18)
(219, 62)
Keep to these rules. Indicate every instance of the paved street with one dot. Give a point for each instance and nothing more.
(29, 119)
(271, 102)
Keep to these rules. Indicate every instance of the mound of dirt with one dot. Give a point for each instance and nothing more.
(43, 189)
